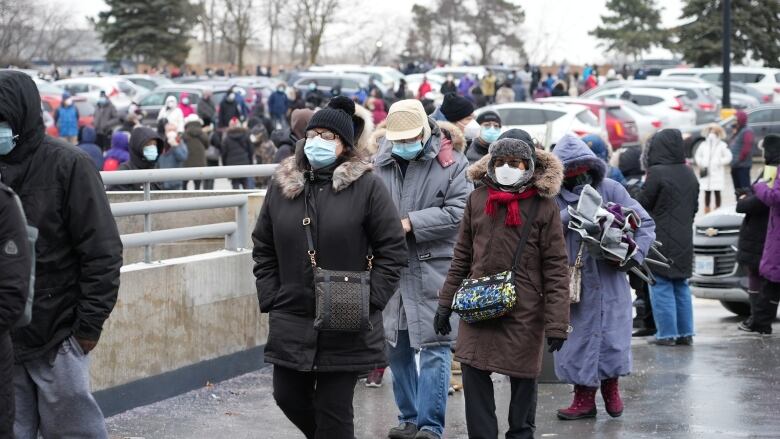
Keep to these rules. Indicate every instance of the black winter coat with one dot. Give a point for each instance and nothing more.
(236, 147)
(352, 210)
(78, 252)
(138, 138)
(752, 232)
(15, 261)
(671, 197)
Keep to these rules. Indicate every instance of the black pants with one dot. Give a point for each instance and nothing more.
(708, 197)
(481, 419)
(740, 177)
(197, 183)
(6, 386)
(764, 305)
(644, 308)
(209, 184)
(319, 404)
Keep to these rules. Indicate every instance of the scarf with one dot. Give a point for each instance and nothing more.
(509, 199)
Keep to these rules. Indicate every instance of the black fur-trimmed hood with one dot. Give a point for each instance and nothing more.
(291, 179)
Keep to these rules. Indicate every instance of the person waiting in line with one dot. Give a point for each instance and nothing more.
(66, 117)
(173, 156)
(197, 142)
(489, 130)
(87, 139)
(315, 373)
(741, 146)
(519, 185)
(712, 157)
(237, 150)
(671, 196)
(146, 145)
(598, 351)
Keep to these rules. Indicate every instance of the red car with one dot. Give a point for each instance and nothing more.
(621, 127)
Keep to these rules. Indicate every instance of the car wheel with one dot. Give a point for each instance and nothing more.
(695, 147)
(738, 308)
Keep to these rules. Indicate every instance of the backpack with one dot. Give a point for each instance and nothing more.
(32, 236)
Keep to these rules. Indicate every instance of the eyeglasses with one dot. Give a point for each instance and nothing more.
(325, 135)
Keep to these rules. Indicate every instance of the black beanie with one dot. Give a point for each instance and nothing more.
(772, 150)
(337, 117)
(489, 116)
(455, 108)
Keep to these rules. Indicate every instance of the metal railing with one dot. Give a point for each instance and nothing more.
(235, 232)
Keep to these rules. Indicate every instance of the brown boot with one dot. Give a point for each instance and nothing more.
(583, 406)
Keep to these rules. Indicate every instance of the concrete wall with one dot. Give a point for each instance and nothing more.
(178, 313)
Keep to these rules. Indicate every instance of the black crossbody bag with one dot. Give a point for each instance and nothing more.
(342, 297)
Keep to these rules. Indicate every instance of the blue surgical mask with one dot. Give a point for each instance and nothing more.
(408, 151)
(320, 152)
(7, 138)
(151, 153)
(490, 135)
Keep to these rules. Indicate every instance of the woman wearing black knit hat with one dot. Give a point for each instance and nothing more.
(354, 227)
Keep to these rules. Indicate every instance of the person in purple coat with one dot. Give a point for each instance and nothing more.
(598, 350)
(768, 191)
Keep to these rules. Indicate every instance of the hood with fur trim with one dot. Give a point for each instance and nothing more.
(291, 179)
(548, 173)
(455, 135)
(364, 140)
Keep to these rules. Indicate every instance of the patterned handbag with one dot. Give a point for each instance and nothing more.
(341, 297)
(575, 277)
(491, 297)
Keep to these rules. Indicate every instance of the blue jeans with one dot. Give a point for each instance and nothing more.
(421, 398)
(672, 307)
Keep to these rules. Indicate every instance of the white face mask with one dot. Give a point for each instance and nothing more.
(509, 176)
(472, 130)
(253, 138)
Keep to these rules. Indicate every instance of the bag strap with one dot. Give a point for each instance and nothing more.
(526, 231)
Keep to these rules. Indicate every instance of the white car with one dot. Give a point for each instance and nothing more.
(385, 77)
(533, 118)
(670, 106)
(121, 91)
(414, 81)
(646, 123)
(764, 79)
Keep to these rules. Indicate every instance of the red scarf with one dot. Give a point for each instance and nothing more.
(509, 199)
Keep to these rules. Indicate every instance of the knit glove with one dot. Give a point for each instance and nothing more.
(555, 344)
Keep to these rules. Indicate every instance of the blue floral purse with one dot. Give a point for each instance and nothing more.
(491, 297)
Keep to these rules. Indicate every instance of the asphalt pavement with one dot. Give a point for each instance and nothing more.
(725, 386)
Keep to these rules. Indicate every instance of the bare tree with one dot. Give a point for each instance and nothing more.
(237, 28)
(317, 15)
(274, 16)
(17, 29)
(449, 15)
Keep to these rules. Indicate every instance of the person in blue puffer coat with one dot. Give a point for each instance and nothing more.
(67, 119)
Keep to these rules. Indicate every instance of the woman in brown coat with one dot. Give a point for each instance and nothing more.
(515, 176)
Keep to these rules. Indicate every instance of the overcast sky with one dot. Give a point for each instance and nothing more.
(555, 29)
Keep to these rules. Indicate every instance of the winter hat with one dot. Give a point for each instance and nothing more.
(455, 107)
(298, 121)
(406, 120)
(65, 96)
(489, 116)
(517, 133)
(597, 145)
(512, 148)
(336, 117)
(742, 118)
(772, 150)
(192, 118)
(714, 128)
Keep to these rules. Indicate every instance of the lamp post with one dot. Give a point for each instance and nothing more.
(726, 54)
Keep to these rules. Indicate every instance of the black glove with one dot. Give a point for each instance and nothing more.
(441, 321)
(555, 344)
(628, 265)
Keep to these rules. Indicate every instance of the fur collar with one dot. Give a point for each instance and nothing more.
(548, 173)
(378, 136)
(291, 179)
(363, 143)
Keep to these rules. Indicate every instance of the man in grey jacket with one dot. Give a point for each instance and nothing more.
(422, 164)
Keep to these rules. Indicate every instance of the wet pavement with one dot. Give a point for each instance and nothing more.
(725, 386)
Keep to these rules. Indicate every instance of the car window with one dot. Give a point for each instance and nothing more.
(686, 74)
(748, 78)
(551, 115)
(762, 116)
(125, 88)
(587, 118)
(84, 108)
(644, 100)
(522, 116)
(145, 83)
(777, 77)
(76, 88)
(349, 84)
(153, 99)
(776, 116)
(712, 77)
(619, 113)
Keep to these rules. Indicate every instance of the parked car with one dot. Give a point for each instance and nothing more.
(386, 78)
(152, 102)
(477, 72)
(84, 106)
(349, 83)
(739, 101)
(716, 274)
(119, 90)
(766, 80)
(48, 122)
(671, 106)
(533, 118)
(149, 82)
(763, 119)
(654, 67)
(621, 127)
(762, 97)
(647, 124)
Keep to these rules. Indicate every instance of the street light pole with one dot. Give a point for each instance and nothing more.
(726, 53)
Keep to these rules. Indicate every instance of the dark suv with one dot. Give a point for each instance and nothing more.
(716, 273)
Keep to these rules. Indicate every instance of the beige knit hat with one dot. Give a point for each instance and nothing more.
(406, 120)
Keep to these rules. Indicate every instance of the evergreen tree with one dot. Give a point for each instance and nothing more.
(755, 32)
(634, 27)
(147, 31)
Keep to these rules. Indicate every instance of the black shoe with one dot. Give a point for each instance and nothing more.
(426, 434)
(685, 341)
(644, 332)
(663, 342)
(750, 328)
(406, 430)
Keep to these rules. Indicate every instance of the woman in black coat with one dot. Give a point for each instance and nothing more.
(752, 235)
(315, 372)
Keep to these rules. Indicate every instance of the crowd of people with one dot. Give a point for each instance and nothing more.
(422, 203)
